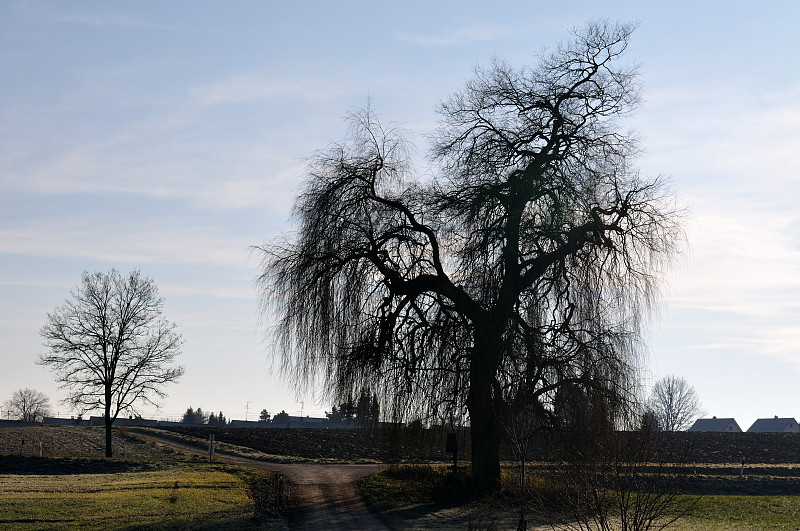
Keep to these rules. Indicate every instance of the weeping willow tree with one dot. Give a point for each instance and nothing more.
(526, 264)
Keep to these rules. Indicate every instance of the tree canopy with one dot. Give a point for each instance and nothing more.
(523, 261)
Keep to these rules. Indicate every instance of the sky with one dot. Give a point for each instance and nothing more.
(172, 137)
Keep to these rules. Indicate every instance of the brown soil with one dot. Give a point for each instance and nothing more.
(71, 441)
(401, 443)
(391, 444)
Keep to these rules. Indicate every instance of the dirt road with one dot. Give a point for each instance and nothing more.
(327, 495)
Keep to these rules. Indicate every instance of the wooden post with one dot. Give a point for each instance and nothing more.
(21, 445)
(40, 448)
(451, 446)
(210, 446)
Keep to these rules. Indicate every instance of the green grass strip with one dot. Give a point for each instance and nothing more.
(183, 497)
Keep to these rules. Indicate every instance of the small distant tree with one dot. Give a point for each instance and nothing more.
(28, 405)
(367, 410)
(335, 416)
(348, 409)
(188, 416)
(674, 403)
(193, 416)
(110, 346)
(649, 421)
(264, 416)
(281, 418)
(219, 419)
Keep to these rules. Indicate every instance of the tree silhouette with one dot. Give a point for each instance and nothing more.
(674, 404)
(28, 405)
(217, 420)
(527, 262)
(281, 418)
(367, 410)
(109, 345)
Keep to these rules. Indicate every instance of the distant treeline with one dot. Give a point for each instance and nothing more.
(363, 412)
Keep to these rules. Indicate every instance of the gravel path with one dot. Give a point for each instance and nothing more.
(327, 495)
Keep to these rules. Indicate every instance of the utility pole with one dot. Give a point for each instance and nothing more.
(246, 410)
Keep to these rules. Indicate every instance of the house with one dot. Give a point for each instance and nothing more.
(774, 425)
(715, 424)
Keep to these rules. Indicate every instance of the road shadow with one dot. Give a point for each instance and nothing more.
(26, 465)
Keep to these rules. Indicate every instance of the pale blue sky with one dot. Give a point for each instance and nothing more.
(170, 137)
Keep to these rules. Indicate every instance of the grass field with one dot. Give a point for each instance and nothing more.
(176, 496)
(410, 497)
(148, 487)
(742, 512)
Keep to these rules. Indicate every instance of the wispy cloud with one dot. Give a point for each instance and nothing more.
(734, 159)
(221, 292)
(455, 36)
(161, 157)
(65, 13)
(728, 138)
(249, 88)
(97, 241)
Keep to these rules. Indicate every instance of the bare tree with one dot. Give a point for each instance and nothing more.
(28, 405)
(109, 345)
(526, 263)
(674, 404)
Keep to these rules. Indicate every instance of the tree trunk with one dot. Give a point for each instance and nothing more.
(108, 421)
(486, 428)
